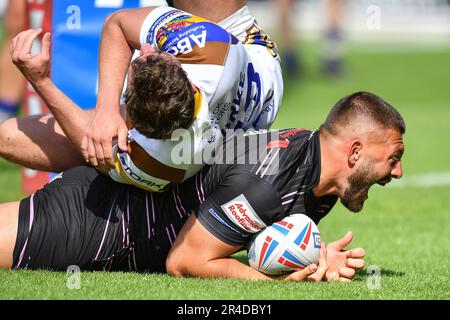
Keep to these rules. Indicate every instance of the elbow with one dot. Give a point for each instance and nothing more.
(110, 19)
(113, 19)
(175, 266)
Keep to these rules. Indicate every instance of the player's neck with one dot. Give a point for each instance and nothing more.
(330, 172)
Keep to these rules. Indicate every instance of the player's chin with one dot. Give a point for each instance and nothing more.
(355, 204)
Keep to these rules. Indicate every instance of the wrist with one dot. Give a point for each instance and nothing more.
(42, 83)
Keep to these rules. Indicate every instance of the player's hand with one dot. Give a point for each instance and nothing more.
(35, 67)
(97, 145)
(342, 264)
(322, 269)
(312, 272)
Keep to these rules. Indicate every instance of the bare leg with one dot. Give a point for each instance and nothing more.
(287, 36)
(9, 220)
(38, 142)
(12, 82)
(333, 42)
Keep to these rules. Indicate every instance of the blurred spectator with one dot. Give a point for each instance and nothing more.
(287, 39)
(331, 56)
(3, 4)
(11, 81)
(333, 38)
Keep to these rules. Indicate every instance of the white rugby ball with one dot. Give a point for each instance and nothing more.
(287, 245)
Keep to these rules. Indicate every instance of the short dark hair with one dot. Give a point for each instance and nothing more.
(363, 105)
(159, 98)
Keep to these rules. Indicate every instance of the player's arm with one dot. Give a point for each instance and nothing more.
(216, 231)
(120, 36)
(198, 253)
(36, 68)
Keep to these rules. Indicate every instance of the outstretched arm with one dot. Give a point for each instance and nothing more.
(36, 68)
(196, 252)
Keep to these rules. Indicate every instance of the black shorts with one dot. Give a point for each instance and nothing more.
(83, 218)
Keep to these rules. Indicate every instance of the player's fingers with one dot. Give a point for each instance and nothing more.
(318, 276)
(46, 42)
(323, 266)
(332, 276)
(13, 49)
(348, 273)
(342, 279)
(108, 155)
(16, 39)
(26, 41)
(343, 242)
(356, 253)
(91, 153)
(302, 274)
(355, 263)
(122, 137)
(99, 153)
(84, 148)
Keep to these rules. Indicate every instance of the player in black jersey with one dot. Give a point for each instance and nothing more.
(82, 218)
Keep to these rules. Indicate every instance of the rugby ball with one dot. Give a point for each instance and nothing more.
(285, 246)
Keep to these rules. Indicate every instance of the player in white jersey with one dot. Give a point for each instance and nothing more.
(237, 85)
(236, 90)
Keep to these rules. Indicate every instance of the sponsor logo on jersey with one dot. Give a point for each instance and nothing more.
(278, 144)
(291, 133)
(215, 215)
(133, 175)
(186, 45)
(241, 213)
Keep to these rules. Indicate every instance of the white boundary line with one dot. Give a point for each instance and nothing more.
(425, 180)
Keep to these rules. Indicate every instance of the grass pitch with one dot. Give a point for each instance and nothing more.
(405, 228)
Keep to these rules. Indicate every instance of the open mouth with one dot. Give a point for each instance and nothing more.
(384, 181)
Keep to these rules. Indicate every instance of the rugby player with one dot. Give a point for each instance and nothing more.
(83, 218)
(229, 85)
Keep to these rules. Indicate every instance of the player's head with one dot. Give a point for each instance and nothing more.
(369, 131)
(159, 96)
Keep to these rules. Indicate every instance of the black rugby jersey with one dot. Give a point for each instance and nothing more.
(85, 218)
(257, 179)
(242, 196)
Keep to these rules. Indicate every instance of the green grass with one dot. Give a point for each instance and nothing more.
(405, 231)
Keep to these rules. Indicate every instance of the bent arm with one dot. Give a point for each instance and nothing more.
(197, 253)
(120, 36)
(72, 119)
(36, 69)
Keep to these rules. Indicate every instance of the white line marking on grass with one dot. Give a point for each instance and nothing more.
(425, 180)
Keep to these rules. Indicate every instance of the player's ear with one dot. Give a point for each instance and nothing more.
(194, 88)
(354, 152)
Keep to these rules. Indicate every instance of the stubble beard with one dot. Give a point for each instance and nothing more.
(359, 183)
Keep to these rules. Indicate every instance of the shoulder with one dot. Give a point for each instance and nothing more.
(178, 32)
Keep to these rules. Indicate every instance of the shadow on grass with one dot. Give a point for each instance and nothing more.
(362, 275)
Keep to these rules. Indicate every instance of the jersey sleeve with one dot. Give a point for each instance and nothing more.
(239, 207)
(180, 33)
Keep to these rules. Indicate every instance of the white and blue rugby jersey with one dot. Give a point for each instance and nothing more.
(240, 87)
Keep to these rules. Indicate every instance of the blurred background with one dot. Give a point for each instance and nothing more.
(398, 49)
